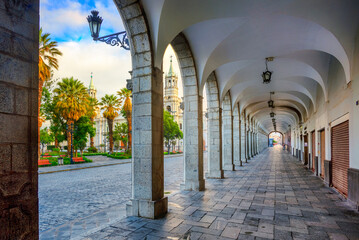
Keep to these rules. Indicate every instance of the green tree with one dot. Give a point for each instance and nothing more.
(45, 138)
(72, 102)
(171, 129)
(125, 97)
(48, 112)
(83, 128)
(111, 105)
(121, 134)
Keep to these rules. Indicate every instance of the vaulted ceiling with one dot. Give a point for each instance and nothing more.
(233, 38)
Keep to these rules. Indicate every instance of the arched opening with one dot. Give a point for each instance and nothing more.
(173, 133)
(275, 138)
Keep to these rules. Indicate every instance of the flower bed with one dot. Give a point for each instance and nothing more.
(67, 161)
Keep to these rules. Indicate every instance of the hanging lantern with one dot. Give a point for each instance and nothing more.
(272, 114)
(271, 102)
(267, 75)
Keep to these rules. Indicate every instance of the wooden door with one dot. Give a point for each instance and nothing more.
(306, 149)
(313, 151)
(322, 153)
(340, 156)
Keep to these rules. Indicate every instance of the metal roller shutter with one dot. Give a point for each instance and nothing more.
(340, 156)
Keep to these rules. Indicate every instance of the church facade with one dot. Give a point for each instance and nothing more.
(171, 103)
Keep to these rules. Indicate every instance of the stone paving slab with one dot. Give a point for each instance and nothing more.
(76, 203)
(271, 197)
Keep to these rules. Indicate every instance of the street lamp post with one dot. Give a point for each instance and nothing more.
(115, 39)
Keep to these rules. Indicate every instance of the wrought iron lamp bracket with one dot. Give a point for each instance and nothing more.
(116, 39)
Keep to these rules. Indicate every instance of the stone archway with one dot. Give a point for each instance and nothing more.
(193, 117)
(214, 129)
(282, 138)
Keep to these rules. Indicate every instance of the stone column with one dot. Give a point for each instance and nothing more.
(193, 143)
(19, 84)
(243, 140)
(248, 145)
(147, 118)
(147, 151)
(214, 130)
(192, 118)
(236, 137)
(227, 133)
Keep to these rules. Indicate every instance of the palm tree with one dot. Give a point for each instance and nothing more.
(111, 105)
(48, 53)
(125, 97)
(72, 102)
(92, 113)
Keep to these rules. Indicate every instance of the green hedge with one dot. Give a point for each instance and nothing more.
(94, 154)
(120, 155)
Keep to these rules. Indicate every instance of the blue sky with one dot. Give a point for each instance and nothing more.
(66, 21)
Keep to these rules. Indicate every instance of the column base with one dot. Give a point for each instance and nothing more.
(238, 163)
(215, 174)
(229, 167)
(147, 208)
(193, 185)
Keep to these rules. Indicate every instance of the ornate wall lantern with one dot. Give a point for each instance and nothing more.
(116, 39)
(272, 114)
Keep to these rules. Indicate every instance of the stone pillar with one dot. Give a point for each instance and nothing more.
(243, 140)
(248, 145)
(147, 118)
(214, 129)
(227, 133)
(236, 137)
(251, 143)
(192, 118)
(19, 84)
(147, 151)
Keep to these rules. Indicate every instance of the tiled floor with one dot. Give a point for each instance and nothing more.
(271, 197)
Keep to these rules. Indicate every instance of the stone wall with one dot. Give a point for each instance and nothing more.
(19, 42)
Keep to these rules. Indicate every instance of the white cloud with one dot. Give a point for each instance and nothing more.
(110, 65)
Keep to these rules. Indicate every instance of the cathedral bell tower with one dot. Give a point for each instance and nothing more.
(92, 91)
(171, 100)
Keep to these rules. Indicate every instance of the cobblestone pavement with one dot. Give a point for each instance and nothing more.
(271, 197)
(72, 202)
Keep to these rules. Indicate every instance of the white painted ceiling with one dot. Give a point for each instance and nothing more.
(233, 38)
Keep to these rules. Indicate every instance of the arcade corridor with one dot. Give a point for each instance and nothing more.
(273, 196)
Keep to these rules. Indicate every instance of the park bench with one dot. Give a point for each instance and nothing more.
(78, 159)
(44, 162)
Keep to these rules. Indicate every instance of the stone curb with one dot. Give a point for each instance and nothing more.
(104, 165)
(73, 169)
